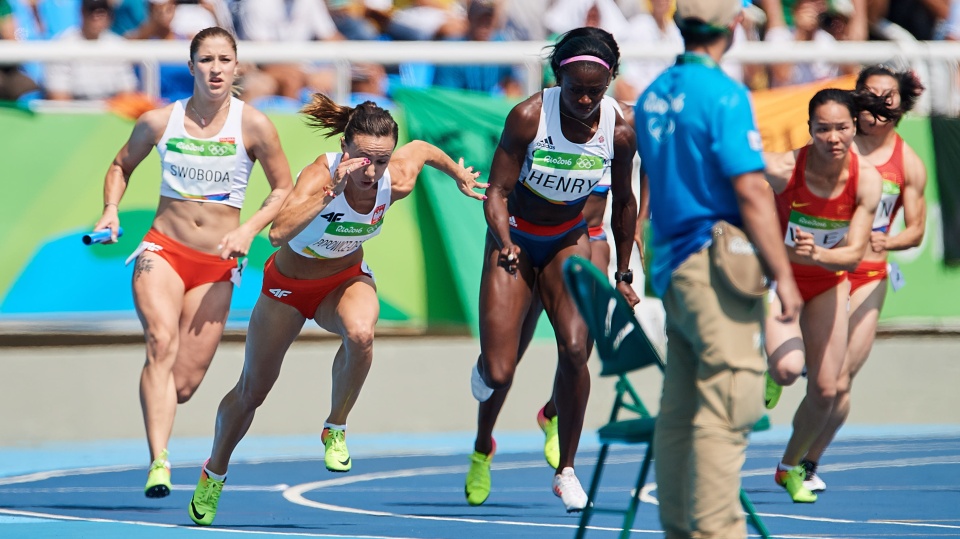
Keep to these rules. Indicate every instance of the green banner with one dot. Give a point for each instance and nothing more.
(931, 297)
(466, 125)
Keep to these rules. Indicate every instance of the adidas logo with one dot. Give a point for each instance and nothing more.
(546, 143)
(279, 292)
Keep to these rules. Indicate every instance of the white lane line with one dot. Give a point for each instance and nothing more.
(296, 493)
(40, 476)
(73, 490)
(195, 528)
(870, 464)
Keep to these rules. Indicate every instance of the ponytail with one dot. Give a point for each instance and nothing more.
(855, 101)
(367, 118)
(908, 84)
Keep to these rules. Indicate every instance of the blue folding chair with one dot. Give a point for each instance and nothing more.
(623, 348)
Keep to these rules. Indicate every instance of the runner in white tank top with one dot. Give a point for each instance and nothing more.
(340, 201)
(184, 267)
(209, 169)
(556, 147)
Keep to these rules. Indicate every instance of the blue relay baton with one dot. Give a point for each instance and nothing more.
(100, 236)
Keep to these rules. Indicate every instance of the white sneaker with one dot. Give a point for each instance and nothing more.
(567, 487)
(480, 390)
(813, 483)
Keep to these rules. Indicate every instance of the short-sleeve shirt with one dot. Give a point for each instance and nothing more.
(90, 79)
(695, 133)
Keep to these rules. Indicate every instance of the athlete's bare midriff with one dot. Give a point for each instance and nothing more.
(198, 225)
(296, 266)
(534, 209)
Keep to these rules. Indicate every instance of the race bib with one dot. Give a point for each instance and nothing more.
(827, 233)
(236, 274)
(341, 239)
(200, 169)
(564, 178)
(897, 280)
(884, 216)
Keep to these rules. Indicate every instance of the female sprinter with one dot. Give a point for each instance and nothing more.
(826, 198)
(186, 262)
(904, 179)
(556, 146)
(338, 203)
(593, 213)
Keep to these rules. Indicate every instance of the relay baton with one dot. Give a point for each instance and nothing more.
(100, 236)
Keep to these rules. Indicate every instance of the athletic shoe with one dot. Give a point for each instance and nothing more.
(567, 487)
(335, 455)
(477, 487)
(203, 505)
(792, 481)
(551, 445)
(480, 390)
(811, 480)
(158, 478)
(771, 395)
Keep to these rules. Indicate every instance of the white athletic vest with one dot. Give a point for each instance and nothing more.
(339, 229)
(561, 171)
(214, 169)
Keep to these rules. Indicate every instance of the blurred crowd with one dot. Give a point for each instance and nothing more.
(287, 85)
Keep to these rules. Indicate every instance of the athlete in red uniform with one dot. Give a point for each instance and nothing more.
(826, 198)
(904, 178)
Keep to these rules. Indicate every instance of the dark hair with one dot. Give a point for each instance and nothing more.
(92, 6)
(855, 101)
(587, 41)
(696, 32)
(908, 84)
(699, 35)
(367, 118)
(206, 33)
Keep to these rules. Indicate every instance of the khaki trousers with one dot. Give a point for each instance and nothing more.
(712, 397)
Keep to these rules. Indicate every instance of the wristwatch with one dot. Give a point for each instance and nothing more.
(624, 277)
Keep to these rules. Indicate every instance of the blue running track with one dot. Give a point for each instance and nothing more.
(894, 482)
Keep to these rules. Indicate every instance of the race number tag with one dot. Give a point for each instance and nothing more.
(896, 276)
(827, 233)
(884, 216)
(236, 274)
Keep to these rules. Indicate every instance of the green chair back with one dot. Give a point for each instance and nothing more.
(621, 343)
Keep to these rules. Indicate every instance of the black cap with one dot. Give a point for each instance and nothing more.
(91, 6)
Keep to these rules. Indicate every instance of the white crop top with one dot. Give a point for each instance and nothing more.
(339, 229)
(563, 172)
(214, 169)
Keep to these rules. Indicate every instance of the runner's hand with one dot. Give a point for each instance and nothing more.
(790, 300)
(235, 244)
(509, 257)
(110, 219)
(804, 246)
(346, 167)
(467, 182)
(628, 294)
(878, 242)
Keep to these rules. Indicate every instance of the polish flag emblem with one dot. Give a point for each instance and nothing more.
(378, 214)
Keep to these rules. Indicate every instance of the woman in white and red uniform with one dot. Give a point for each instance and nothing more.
(318, 273)
(904, 179)
(185, 264)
